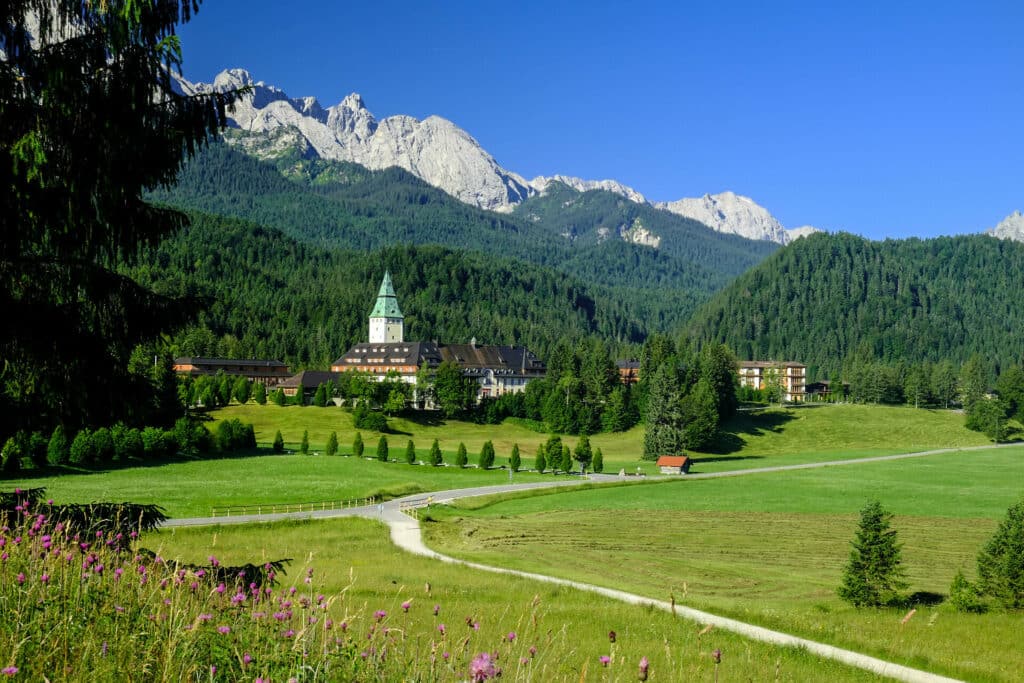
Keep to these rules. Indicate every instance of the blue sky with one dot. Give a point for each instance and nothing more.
(887, 119)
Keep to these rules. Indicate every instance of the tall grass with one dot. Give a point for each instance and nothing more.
(80, 608)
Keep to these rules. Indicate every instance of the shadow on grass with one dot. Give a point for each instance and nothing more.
(747, 423)
(134, 463)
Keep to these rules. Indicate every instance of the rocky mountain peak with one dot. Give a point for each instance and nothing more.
(733, 213)
(1010, 228)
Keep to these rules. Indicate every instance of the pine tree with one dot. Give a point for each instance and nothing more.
(514, 461)
(410, 452)
(304, 444)
(540, 463)
(278, 442)
(566, 462)
(382, 449)
(461, 457)
(320, 397)
(332, 444)
(598, 461)
(874, 574)
(259, 393)
(1001, 561)
(663, 433)
(582, 453)
(487, 456)
(57, 451)
(357, 445)
(435, 454)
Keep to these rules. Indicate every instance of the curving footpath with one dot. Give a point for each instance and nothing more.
(405, 533)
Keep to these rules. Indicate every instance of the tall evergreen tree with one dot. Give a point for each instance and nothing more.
(410, 453)
(973, 382)
(435, 454)
(259, 393)
(514, 460)
(382, 448)
(598, 461)
(58, 450)
(91, 120)
(304, 444)
(566, 462)
(582, 453)
(700, 417)
(487, 455)
(663, 433)
(540, 462)
(1001, 560)
(278, 445)
(873, 576)
(332, 443)
(357, 445)
(461, 457)
(718, 371)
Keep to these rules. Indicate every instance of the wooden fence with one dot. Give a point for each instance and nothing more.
(277, 508)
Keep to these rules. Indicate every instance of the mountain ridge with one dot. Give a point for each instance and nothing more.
(434, 149)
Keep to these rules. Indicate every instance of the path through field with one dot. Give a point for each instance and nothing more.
(405, 533)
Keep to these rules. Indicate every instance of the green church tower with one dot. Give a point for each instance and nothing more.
(387, 324)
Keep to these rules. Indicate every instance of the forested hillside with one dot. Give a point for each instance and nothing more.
(826, 296)
(339, 205)
(271, 296)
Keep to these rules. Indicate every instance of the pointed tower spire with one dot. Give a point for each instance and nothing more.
(386, 320)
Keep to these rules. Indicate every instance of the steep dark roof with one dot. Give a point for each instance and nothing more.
(200, 361)
(627, 364)
(392, 353)
(502, 359)
(309, 379)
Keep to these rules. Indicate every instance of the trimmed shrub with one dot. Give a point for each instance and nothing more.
(58, 451)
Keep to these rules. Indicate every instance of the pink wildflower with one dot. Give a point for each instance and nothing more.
(224, 630)
(441, 628)
(437, 608)
(482, 667)
(644, 665)
(9, 670)
(379, 614)
(406, 605)
(605, 660)
(511, 636)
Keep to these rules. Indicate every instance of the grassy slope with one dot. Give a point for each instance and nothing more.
(763, 437)
(354, 560)
(770, 548)
(191, 489)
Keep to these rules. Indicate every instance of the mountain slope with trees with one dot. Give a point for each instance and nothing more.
(342, 205)
(270, 296)
(826, 297)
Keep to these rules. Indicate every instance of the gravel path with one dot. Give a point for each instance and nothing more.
(405, 533)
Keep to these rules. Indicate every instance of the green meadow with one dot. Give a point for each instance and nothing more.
(770, 549)
(355, 565)
(754, 438)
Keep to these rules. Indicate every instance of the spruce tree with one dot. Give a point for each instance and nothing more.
(278, 442)
(514, 461)
(332, 444)
(582, 452)
(382, 449)
(487, 455)
(320, 397)
(435, 454)
(357, 445)
(540, 463)
(874, 574)
(598, 465)
(461, 457)
(410, 452)
(304, 445)
(259, 394)
(58, 450)
(663, 434)
(566, 463)
(1001, 561)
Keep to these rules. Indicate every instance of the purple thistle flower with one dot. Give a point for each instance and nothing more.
(406, 605)
(437, 609)
(21, 577)
(441, 628)
(45, 578)
(9, 670)
(445, 656)
(605, 660)
(533, 650)
(379, 614)
(482, 667)
(205, 617)
(220, 588)
(246, 658)
(644, 665)
(511, 636)
(716, 655)
(224, 629)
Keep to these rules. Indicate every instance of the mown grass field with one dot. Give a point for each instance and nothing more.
(762, 437)
(354, 560)
(770, 549)
(193, 488)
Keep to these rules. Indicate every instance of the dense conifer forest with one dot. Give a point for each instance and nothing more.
(826, 297)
